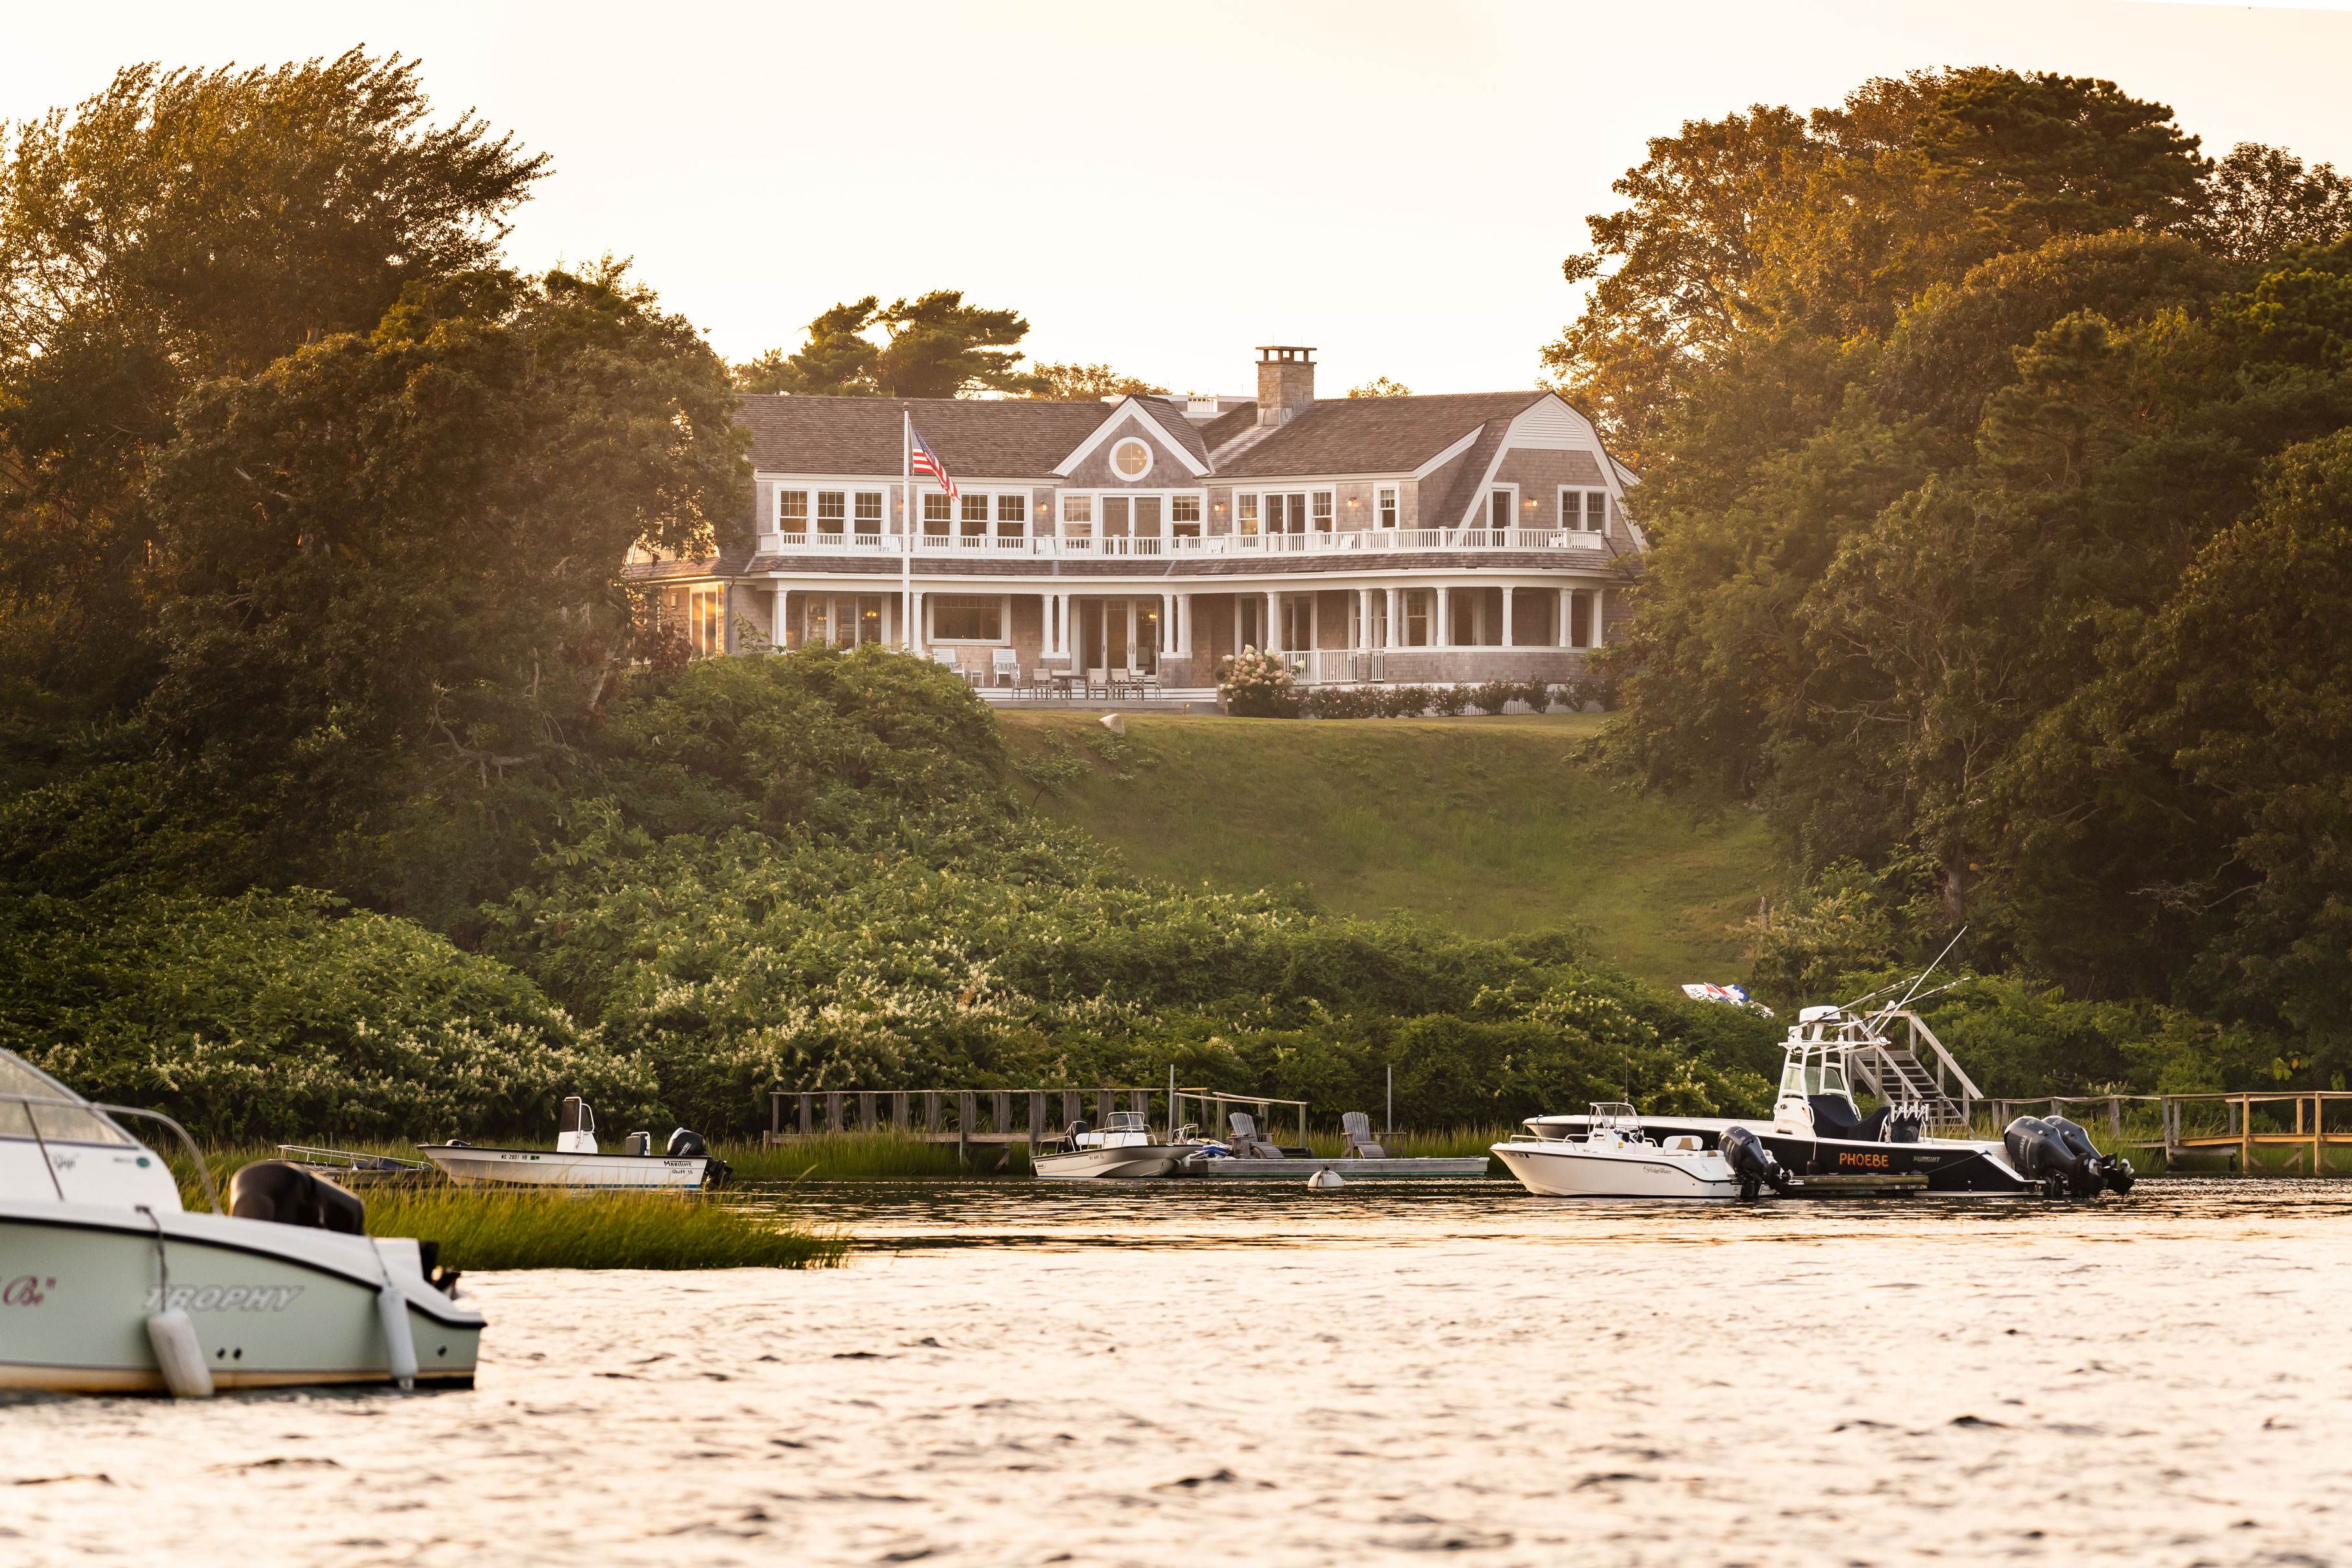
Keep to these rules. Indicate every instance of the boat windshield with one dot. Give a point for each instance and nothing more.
(23, 1089)
(1127, 1122)
(1813, 1075)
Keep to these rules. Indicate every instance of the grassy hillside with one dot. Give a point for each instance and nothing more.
(1481, 822)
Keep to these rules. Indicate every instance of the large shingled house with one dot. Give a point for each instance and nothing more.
(1425, 540)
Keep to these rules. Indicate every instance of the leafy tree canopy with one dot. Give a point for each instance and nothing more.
(1381, 386)
(186, 224)
(935, 346)
(1089, 383)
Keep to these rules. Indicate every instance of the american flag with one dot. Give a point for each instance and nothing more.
(925, 462)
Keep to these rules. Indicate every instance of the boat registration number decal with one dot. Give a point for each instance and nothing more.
(222, 1297)
(1868, 1162)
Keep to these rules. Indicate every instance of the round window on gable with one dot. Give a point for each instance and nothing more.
(1132, 458)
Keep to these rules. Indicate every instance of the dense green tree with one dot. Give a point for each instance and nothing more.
(392, 558)
(182, 226)
(935, 346)
(1086, 383)
(2260, 201)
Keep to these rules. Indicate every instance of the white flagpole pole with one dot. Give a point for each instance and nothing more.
(907, 527)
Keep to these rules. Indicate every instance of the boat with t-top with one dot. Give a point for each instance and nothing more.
(1819, 1137)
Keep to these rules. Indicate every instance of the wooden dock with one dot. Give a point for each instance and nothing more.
(1001, 1119)
(2296, 1122)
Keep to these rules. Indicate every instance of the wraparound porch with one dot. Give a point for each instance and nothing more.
(1418, 632)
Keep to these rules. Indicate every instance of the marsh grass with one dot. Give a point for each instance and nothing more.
(486, 1229)
(490, 1230)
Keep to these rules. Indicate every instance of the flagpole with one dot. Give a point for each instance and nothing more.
(906, 526)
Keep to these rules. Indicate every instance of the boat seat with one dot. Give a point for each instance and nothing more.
(1685, 1142)
(1833, 1119)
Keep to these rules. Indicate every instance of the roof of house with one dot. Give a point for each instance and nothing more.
(999, 437)
(1371, 434)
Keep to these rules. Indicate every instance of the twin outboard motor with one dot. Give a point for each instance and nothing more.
(2059, 1154)
(1904, 1121)
(1752, 1163)
(286, 1193)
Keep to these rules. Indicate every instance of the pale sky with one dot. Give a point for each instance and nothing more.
(1162, 187)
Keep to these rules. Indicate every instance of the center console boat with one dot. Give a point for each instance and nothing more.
(1123, 1148)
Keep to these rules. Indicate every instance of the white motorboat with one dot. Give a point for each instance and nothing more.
(1612, 1158)
(687, 1164)
(1122, 1149)
(107, 1286)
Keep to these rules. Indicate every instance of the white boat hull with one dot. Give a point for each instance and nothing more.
(529, 1167)
(271, 1304)
(1562, 1169)
(1131, 1161)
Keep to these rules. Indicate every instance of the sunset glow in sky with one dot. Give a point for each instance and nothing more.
(1162, 187)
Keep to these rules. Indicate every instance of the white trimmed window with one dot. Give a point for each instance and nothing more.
(1012, 516)
(1584, 512)
(869, 511)
(967, 618)
(791, 511)
(832, 510)
(1130, 458)
(1388, 505)
(975, 514)
(1185, 516)
(1245, 513)
(1500, 506)
(1077, 516)
(935, 515)
(1322, 511)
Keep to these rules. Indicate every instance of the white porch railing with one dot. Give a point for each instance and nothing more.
(1112, 546)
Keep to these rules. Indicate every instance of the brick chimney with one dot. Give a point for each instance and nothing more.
(1285, 383)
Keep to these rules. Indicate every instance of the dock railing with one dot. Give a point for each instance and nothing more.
(988, 1117)
(2226, 1124)
(1212, 1103)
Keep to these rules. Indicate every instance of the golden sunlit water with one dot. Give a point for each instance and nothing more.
(1169, 1373)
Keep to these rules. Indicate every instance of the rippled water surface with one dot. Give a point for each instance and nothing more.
(1163, 1373)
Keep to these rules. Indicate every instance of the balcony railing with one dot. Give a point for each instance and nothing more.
(1090, 546)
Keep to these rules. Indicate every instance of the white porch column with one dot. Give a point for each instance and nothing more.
(776, 629)
(1237, 624)
(1598, 600)
(1559, 626)
(1393, 628)
(1508, 593)
(1273, 622)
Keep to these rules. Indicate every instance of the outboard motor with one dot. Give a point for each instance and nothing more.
(1070, 1139)
(2114, 1169)
(684, 1143)
(1751, 1162)
(289, 1194)
(1904, 1122)
(2043, 1152)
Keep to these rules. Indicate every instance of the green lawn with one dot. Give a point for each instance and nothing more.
(1484, 823)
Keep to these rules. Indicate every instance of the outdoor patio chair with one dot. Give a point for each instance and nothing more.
(1356, 1137)
(1006, 667)
(1098, 679)
(1246, 1143)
